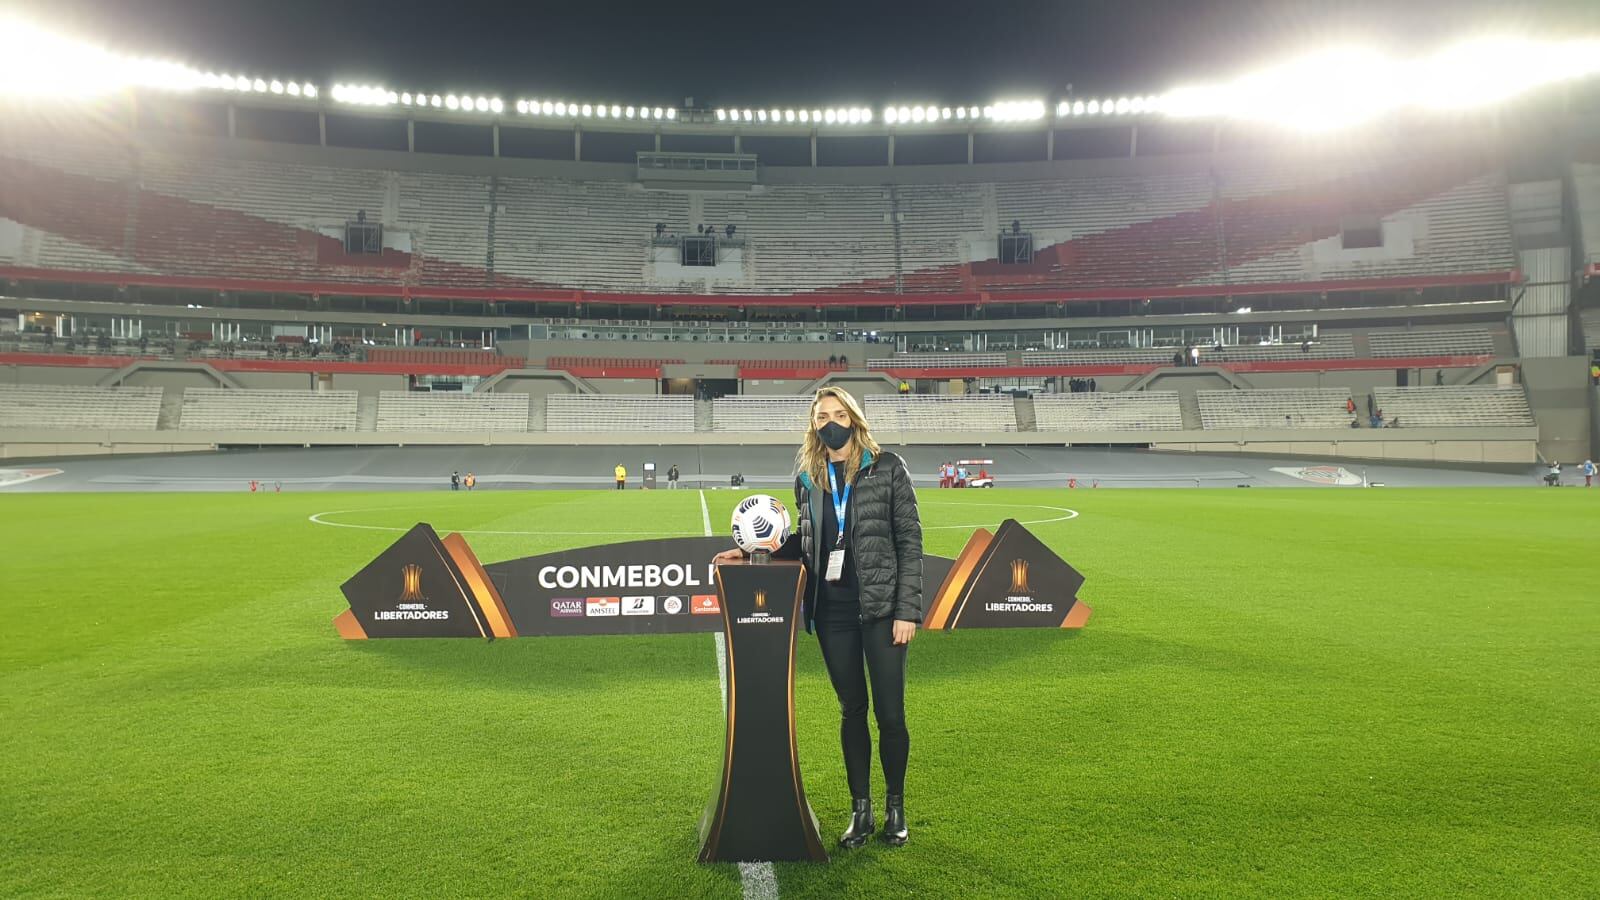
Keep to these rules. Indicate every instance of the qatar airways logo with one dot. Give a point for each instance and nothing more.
(635, 576)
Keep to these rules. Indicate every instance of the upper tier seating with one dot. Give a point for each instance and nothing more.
(451, 411)
(1335, 345)
(158, 211)
(1104, 411)
(1450, 342)
(61, 406)
(1452, 406)
(936, 360)
(1275, 408)
(231, 409)
(619, 412)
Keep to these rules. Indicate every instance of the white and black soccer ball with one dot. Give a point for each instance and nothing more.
(760, 522)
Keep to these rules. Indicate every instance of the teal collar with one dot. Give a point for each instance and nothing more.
(866, 460)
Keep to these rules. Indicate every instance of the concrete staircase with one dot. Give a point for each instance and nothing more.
(702, 415)
(1189, 405)
(171, 409)
(367, 413)
(1027, 420)
(536, 406)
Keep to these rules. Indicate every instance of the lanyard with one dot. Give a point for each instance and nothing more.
(839, 503)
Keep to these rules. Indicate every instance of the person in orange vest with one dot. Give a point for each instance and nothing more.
(471, 481)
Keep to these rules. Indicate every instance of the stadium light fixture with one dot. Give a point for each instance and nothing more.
(916, 114)
(891, 115)
(657, 112)
(587, 110)
(672, 113)
(496, 105)
(275, 86)
(522, 105)
(451, 101)
(561, 108)
(616, 111)
(904, 112)
(1094, 107)
(722, 115)
(961, 112)
(628, 111)
(602, 110)
(866, 115)
(548, 108)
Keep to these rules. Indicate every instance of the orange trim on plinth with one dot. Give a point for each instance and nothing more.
(956, 581)
(1077, 616)
(348, 627)
(483, 589)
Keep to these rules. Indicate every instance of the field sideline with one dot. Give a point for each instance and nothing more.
(1281, 693)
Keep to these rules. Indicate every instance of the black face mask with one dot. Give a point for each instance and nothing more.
(835, 435)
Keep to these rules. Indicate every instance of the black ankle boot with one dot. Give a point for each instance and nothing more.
(861, 826)
(894, 820)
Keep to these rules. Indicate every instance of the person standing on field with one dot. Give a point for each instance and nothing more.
(1588, 473)
(622, 476)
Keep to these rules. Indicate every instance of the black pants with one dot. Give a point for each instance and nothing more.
(846, 644)
(619, 484)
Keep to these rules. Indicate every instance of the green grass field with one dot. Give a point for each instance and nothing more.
(1281, 693)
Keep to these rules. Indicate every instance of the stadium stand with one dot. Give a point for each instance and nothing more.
(1275, 408)
(746, 413)
(619, 412)
(924, 413)
(1471, 405)
(62, 406)
(1454, 342)
(937, 361)
(1105, 411)
(593, 235)
(451, 411)
(226, 409)
(148, 210)
(810, 237)
(1336, 345)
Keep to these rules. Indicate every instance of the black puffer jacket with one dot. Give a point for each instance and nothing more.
(885, 539)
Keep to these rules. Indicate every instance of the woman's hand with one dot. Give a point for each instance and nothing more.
(904, 631)
(728, 556)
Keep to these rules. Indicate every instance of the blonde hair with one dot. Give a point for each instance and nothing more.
(812, 457)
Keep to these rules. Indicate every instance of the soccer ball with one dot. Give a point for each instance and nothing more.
(760, 522)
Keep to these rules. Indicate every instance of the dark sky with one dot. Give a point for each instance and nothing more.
(762, 53)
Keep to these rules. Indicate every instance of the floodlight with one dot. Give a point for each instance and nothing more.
(961, 112)
(891, 115)
(547, 108)
(658, 113)
(672, 112)
(830, 117)
(788, 115)
(1094, 107)
(522, 105)
(588, 110)
(561, 108)
(722, 115)
(496, 104)
(628, 112)
(275, 86)
(1123, 105)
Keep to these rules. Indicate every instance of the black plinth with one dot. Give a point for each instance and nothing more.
(759, 811)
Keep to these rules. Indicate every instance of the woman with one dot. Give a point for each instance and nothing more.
(860, 540)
